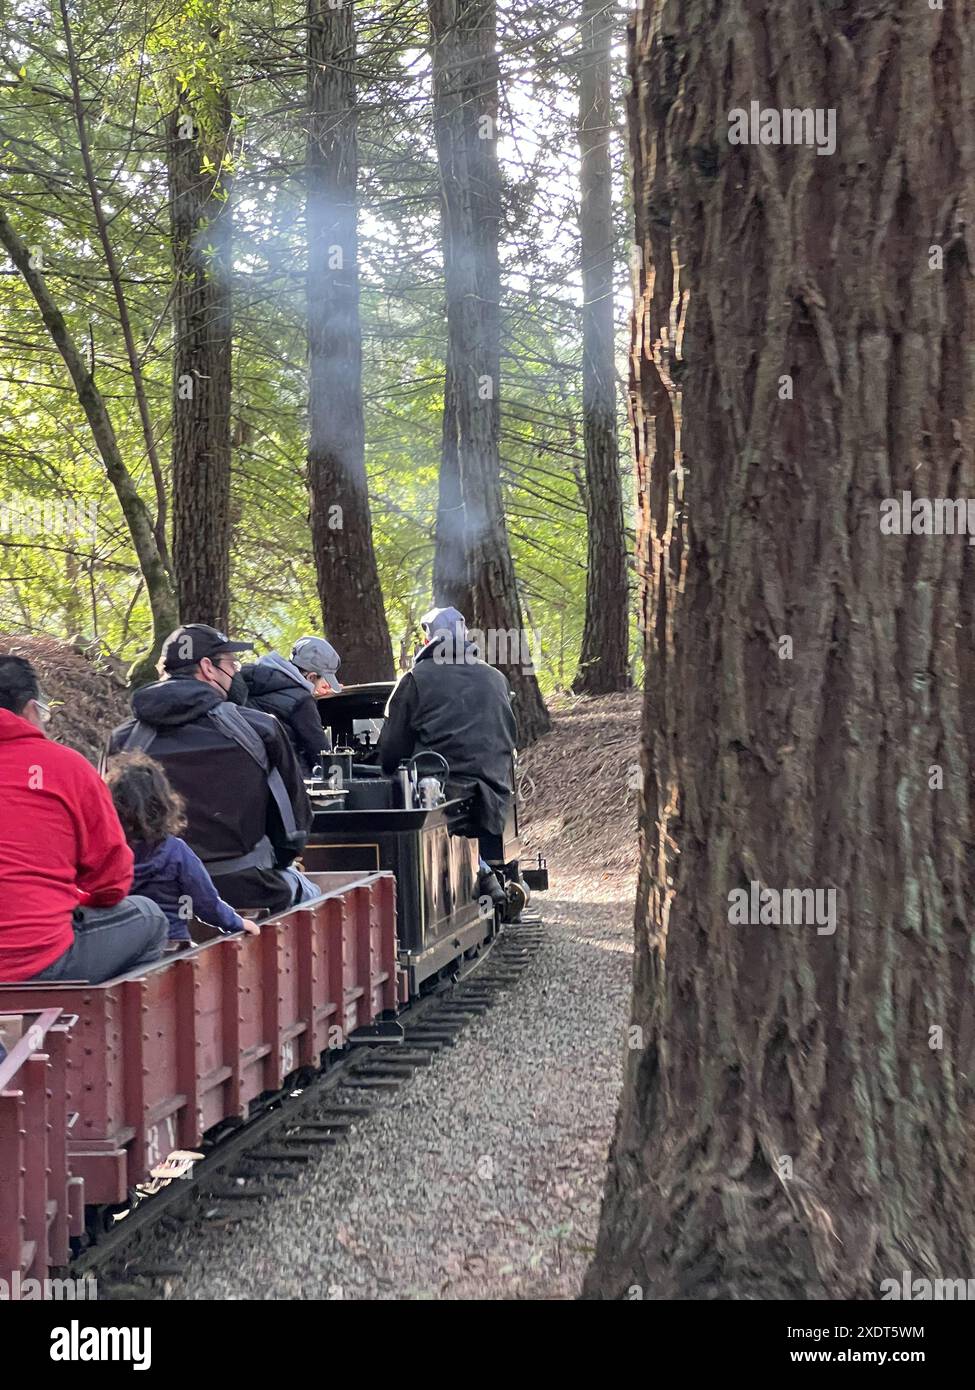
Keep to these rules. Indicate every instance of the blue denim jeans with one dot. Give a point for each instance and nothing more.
(304, 889)
(110, 941)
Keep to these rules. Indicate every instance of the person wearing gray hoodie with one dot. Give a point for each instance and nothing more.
(288, 690)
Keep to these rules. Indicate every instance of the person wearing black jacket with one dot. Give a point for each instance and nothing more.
(248, 816)
(289, 689)
(455, 704)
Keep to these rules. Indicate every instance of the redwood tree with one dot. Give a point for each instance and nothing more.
(345, 561)
(474, 553)
(603, 662)
(199, 194)
(796, 1119)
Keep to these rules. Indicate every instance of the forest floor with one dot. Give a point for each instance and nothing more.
(483, 1177)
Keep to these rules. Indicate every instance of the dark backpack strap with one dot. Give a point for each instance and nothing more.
(234, 726)
(139, 738)
(260, 857)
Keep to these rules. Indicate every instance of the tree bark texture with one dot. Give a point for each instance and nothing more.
(200, 210)
(603, 665)
(463, 36)
(797, 1112)
(345, 560)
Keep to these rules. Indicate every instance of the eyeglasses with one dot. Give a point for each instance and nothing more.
(235, 665)
(44, 710)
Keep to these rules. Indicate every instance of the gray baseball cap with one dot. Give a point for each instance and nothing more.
(315, 654)
(449, 620)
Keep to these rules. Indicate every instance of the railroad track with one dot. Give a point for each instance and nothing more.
(255, 1161)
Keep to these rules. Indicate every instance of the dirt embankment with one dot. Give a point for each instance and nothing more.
(87, 697)
(579, 787)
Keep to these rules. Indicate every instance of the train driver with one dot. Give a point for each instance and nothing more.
(455, 704)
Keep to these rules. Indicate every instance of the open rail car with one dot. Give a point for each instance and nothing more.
(156, 1060)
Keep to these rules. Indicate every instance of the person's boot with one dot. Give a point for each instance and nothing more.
(489, 885)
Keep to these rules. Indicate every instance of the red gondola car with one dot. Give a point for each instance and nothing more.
(39, 1204)
(154, 1060)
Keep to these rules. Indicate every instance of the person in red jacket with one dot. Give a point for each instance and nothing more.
(65, 866)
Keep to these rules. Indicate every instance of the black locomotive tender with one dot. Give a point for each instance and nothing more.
(409, 824)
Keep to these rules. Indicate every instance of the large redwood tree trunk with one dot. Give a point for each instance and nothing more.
(345, 560)
(463, 36)
(797, 1112)
(200, 212)
(603, 662)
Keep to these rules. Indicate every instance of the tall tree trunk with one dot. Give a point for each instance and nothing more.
(451, 578)
(798, 1105)
(463, 36)
(203, 346)
(605, 640)
(345, 561)
(159, 588)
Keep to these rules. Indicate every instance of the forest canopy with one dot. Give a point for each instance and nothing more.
(88, 97)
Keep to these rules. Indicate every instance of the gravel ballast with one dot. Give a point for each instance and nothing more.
(482, 1176)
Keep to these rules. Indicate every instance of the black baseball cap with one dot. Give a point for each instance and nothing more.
(190, 644)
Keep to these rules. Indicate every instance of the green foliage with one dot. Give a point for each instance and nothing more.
(136, 62)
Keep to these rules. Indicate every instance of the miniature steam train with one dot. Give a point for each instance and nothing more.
(99, 1084)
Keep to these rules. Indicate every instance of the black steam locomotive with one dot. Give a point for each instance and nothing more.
(410, 825)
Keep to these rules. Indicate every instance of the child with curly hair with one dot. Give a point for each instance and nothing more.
(166, 869)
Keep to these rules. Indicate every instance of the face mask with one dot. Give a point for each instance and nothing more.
(237, 690)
